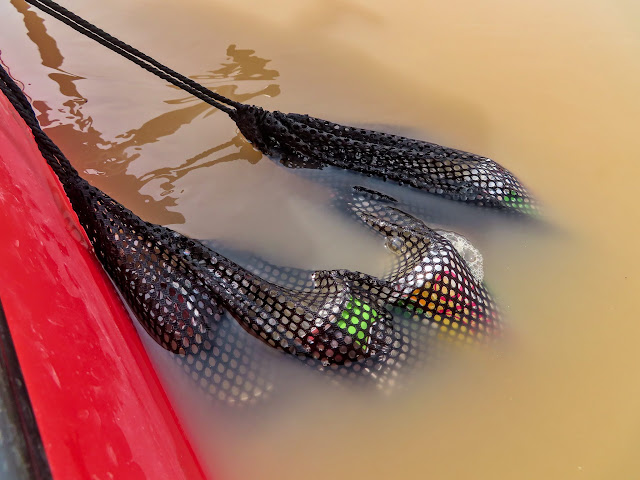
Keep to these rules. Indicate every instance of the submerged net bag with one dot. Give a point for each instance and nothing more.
(348, 324)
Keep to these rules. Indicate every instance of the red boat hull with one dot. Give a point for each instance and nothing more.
(100, 408)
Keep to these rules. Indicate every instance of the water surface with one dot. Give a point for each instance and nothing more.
(548, 89)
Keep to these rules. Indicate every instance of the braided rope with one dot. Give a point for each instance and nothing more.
(135, 55)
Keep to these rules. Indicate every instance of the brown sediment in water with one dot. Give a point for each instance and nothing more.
(549, 90)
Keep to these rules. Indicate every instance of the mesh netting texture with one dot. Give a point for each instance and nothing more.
(301, 140)
(337, 321)
(347, 324)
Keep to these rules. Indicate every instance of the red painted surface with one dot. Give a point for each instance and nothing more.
(100, 408)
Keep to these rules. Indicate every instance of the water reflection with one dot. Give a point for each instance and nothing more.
(235, 149)
(77, 135)
(245, 66)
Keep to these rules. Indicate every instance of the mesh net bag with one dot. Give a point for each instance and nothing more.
(348, 324)
(304, 141)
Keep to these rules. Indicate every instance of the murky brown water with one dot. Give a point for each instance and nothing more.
(548, 89)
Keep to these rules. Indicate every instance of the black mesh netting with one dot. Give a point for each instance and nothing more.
(301, 140)
(348, 324)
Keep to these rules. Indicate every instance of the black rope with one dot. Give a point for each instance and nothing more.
(136, 56)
